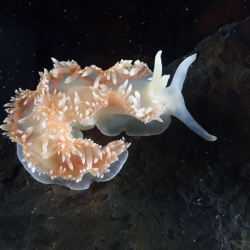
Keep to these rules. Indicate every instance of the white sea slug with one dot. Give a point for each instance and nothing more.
(47, 123)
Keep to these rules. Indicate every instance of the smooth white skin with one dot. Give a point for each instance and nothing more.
(115, 125)
(176, 104)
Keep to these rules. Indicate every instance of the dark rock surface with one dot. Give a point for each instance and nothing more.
(176, 190)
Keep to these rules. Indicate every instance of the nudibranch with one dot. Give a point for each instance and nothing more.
(47, 123)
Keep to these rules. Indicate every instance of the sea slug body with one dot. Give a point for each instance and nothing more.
(47, 123)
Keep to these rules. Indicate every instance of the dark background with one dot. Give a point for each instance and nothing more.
(101, 33)
(176, 191)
